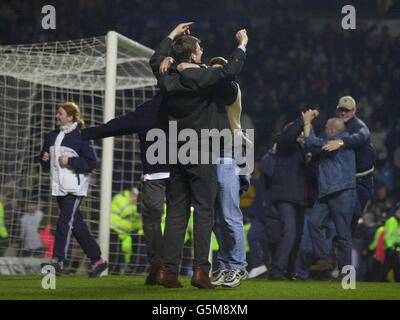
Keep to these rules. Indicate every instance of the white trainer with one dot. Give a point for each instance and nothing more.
(255, 272)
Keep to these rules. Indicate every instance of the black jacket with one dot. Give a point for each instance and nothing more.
(190, 95)
(288, 180)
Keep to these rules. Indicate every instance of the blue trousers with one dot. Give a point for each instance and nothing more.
(71, 223)
(365, 190)
(228, 218)
(340, 207)
(292, 220)
(258, 243)
(303, 260)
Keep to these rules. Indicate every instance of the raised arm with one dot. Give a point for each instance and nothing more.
(140, 120)
(162, 50)
(126, 124)
(205, 78)
(311, 140)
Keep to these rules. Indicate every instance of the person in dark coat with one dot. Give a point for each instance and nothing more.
(188, 96)
(289, 195)
(155, 176)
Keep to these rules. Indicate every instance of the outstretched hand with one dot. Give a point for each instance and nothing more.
(182, 28)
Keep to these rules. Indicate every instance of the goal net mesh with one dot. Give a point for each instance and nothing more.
(34, 79)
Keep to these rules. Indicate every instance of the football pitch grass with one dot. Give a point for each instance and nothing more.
(26, 287)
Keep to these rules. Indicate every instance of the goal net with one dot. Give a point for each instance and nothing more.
(34, 79)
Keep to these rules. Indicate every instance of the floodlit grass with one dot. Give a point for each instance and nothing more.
(133, 288)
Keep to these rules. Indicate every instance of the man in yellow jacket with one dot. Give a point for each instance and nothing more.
(392, 245)
(3, 229)
(124, 219)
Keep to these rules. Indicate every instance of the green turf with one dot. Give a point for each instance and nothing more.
(132, 288)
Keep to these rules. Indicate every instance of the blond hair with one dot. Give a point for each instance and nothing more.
(73, 110)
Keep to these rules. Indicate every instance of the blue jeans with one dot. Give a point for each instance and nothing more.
(292, 220)
(258, 243)
(228, 219)
(340, 207)
(305, 253)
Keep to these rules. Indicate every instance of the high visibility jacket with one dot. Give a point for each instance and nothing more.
(215, 245)
(246, 231)
(163, 219)
(378, 232)
(214, 242)
(124, 217)
(3, 229)
(189, 229)
(392, 234)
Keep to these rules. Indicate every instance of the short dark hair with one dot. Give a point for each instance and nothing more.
(183, 47)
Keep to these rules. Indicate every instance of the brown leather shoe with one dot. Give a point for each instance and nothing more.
(321, 266)
(167, 278)
(151, 279)
(200, 279)
(338, 279)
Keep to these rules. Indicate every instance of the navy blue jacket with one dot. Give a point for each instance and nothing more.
(267, 167)
(87, 160)
(359, 140)
(337, 170)
(144, 118)
(288, 180)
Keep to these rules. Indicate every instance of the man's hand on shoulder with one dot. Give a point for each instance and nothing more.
(184, 65)
(333, 145)
(165, 64)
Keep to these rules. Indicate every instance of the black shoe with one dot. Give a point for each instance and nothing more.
(278, 277)
(56, 265)
(97, 269)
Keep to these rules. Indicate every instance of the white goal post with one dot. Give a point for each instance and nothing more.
(113, 40)
(106, 76)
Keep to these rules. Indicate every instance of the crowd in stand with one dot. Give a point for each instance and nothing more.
(289, 68)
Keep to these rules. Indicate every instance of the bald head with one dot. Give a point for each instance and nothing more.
(334, 126)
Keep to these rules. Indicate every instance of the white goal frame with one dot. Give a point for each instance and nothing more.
(113, 41)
